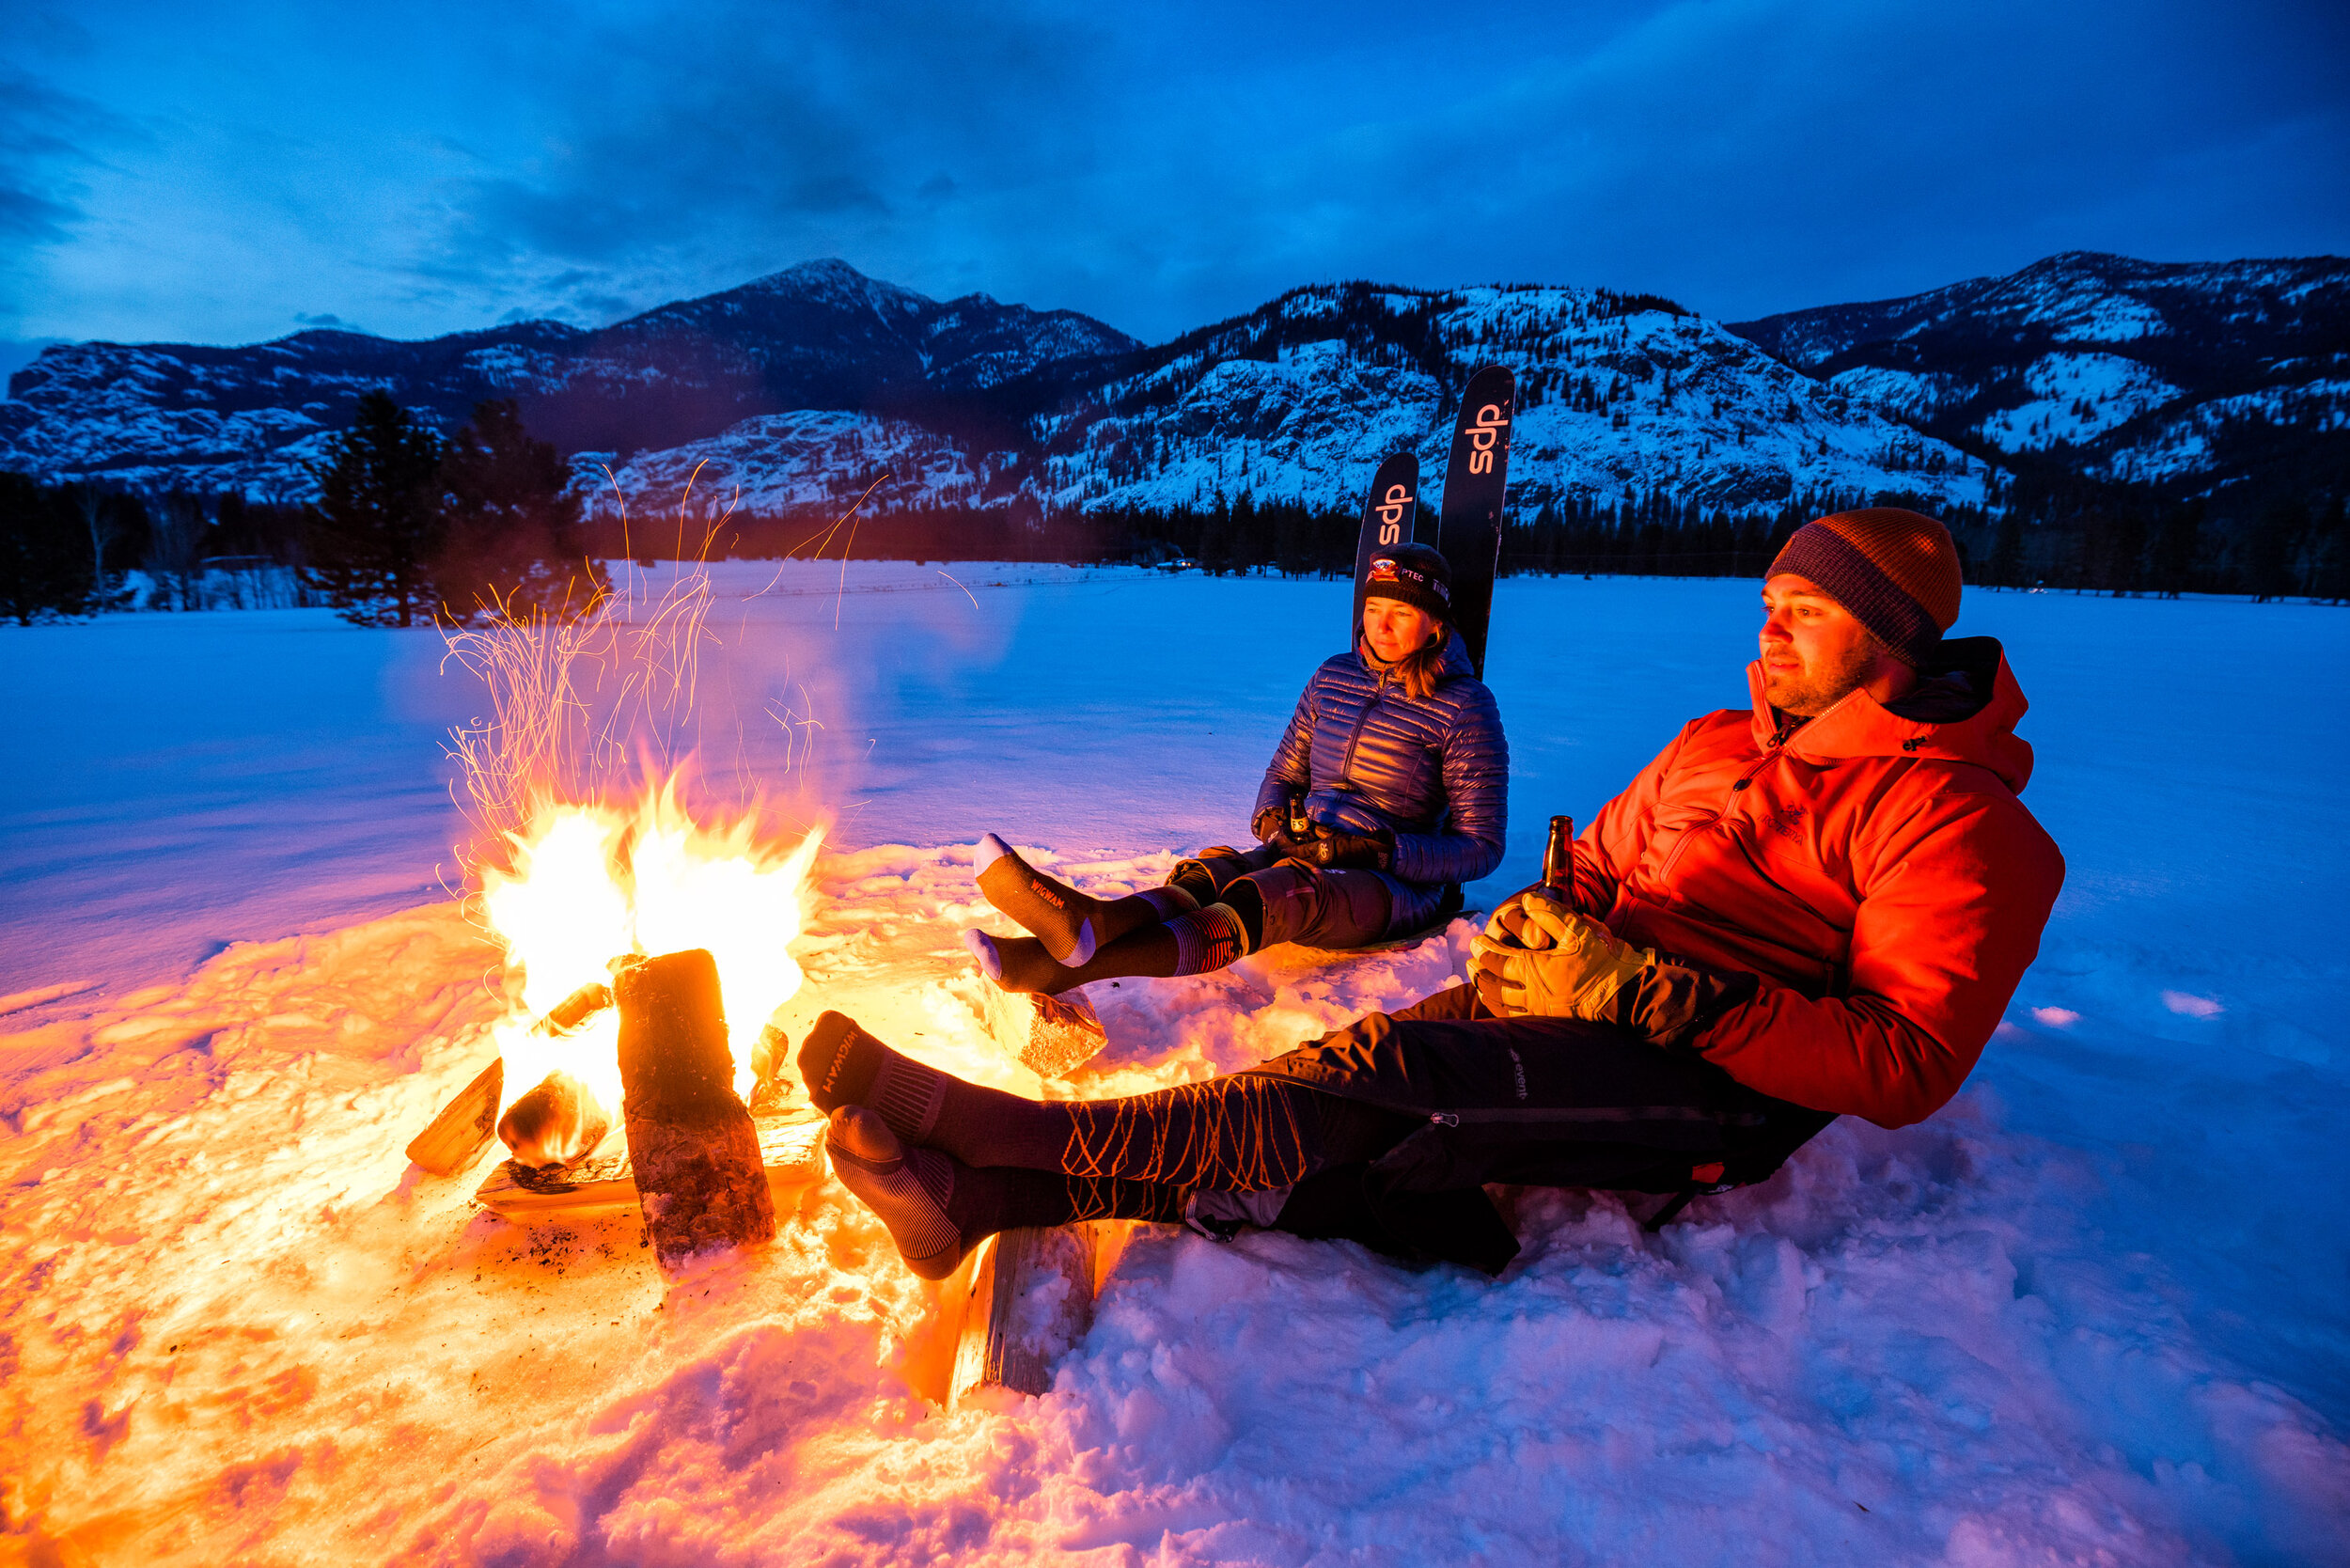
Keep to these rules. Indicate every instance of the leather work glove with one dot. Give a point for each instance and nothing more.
(1345, 852)
(1540, 957)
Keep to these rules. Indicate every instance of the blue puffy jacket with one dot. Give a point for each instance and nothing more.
(1436, 774)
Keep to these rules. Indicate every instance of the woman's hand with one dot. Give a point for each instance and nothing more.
(1341, 852)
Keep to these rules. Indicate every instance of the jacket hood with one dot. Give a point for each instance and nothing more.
(1456, 659)
(1963, 709)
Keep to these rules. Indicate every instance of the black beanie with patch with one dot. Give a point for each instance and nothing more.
(1414, 573)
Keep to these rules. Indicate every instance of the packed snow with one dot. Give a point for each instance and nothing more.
(2089, 1313)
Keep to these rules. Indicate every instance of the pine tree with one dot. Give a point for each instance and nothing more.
(2275, 537)
(44, 565)
(377, 526)
(511, 546)
(2177, 541)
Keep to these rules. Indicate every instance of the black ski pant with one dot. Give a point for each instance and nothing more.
(1386, 1131)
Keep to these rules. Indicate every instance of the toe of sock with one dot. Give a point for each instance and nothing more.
(990, 850)
(983, 949)
(864, 1135)
(828, 1037)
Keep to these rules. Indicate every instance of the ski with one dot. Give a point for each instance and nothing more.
(1389, 513)
(1469, 530)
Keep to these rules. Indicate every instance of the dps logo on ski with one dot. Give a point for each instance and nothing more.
(1392, 508)
(1493, 423)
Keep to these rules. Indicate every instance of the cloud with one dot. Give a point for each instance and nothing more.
(46, 137)
(754, 139)
(438, 167)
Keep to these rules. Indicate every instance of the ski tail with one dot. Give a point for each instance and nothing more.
(1388, 515)
(1468, 529)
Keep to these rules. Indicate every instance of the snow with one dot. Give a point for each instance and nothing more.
(2181, 442)
(2089, 1314)
(2078, 397)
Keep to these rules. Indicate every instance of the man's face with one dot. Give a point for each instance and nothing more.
(1813, 650)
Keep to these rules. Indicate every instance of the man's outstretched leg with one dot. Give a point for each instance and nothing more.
(1244, 1132)
(936, 1208)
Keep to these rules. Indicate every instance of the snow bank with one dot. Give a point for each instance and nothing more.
(2089, 1313)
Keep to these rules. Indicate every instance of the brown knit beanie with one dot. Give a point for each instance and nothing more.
(1895, 570)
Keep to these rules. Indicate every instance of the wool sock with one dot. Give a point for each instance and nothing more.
(1244, 1131)
(1071, 925)
(936, 1208)
(1212, 939)
(1020, 962)
(907, 1189)
(842, 1065)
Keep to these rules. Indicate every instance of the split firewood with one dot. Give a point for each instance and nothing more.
(1050, 1036)
(1031, 1298)
(790, 1150)
(457, 1136)
(690, 1140)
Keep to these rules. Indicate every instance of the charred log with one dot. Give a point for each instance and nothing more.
(560, 1122)
(690, 1140)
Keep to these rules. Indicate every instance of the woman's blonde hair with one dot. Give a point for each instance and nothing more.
(1419, 668)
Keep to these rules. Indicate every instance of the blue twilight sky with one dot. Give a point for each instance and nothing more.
(233, 171)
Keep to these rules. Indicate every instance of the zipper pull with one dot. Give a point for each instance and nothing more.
(1445, 1119)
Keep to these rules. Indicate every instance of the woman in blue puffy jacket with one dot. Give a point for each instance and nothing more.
(1390, 790)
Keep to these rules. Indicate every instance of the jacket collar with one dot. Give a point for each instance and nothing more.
(1456, 660)
(1949, 726)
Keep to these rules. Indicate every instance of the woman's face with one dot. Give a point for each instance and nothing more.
(1394, 628)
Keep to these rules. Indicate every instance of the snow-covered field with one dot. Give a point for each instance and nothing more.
(2091, 1313)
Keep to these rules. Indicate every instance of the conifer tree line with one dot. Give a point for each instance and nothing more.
(2054, 539)
(407, 528)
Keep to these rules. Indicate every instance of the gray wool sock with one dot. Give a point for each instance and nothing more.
(907, 1189)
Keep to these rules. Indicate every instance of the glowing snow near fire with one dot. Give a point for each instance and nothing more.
(591, 884)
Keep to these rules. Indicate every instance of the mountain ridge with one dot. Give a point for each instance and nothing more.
(793, 389)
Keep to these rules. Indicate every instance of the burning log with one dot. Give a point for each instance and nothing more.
(560, 1122)
(694, 1153)
(1050, 1036)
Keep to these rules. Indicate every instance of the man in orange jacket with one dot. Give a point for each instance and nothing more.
(1816, 907)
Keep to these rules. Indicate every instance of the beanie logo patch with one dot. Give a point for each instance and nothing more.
(1387, 569)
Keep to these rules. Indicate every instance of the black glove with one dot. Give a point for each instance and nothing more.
(1272, 827)
(1349, 852)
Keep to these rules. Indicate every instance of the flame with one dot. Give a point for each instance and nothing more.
(589, 883)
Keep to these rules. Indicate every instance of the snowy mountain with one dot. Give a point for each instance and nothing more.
(1299, 400)
(820, 336)
(795, 392)
(2190, 377)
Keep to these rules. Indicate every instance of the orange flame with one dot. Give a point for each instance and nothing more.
(590, 883)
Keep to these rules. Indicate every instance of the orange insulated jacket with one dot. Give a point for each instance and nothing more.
(1873, 866)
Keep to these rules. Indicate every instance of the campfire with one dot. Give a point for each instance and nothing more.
(590, 889)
